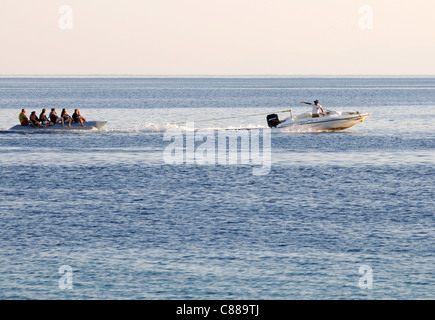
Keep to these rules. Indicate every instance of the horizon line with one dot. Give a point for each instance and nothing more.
(216, 75)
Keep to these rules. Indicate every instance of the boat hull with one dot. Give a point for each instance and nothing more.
(327, 123)
(90, 125)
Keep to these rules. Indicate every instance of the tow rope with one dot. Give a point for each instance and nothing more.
(235, 117)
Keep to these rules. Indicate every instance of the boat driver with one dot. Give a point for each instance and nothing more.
(316, 109)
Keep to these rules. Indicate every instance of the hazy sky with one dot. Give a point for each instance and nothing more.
(218, 37)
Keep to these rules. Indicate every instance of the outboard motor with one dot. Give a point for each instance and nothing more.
(272, 120)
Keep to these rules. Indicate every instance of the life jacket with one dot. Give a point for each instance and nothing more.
(23, 118)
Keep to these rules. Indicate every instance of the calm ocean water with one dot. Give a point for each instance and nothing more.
(132, 226)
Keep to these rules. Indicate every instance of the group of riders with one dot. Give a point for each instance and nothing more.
(45, 121)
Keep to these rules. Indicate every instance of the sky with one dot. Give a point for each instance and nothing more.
(217, 37)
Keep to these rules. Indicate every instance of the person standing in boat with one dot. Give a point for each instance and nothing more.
(23, 118)
(317, 108)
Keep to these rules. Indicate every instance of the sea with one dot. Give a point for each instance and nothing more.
(123, 213)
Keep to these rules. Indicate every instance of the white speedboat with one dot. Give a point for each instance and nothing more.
(332, 121)
(89, 125)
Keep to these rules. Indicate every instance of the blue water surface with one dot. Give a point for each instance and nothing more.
(133, 226)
